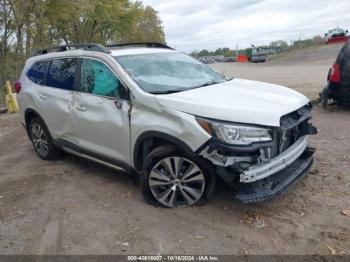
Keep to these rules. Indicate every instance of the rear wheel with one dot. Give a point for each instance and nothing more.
(324, 98)
(41, 140)
(174, 179)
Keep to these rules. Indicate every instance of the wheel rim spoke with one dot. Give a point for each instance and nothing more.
(173, 189)
(156, 183)
(44, 142)
(192, 169)
(44, 146)
(193, 192)
(167, 165)
(35, 131)
(36, 141)
(39, 140)
(177, 165)
(165, 194)
(156, 174)
(196, 178)
(186, 196)
(40, 132)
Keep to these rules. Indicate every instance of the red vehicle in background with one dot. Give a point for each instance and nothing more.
(336, 35)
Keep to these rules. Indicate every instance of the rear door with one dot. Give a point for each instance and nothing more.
(101, 111)
(344, 63)
(56, 98)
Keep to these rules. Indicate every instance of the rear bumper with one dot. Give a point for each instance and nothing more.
(278, 183)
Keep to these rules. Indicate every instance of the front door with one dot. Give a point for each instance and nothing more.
(101, 112)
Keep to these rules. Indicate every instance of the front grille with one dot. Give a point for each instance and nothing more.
(289, 136)
(293, 126)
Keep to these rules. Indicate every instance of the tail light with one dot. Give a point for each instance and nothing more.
(334, 76)
(18, 86)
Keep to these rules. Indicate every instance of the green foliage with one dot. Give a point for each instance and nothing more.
(283, 45)
(317, 40)
(227, 52)
(30, 24)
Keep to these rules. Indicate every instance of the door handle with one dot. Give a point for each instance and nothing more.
(81, 108)
(42, 96)
(118, 104)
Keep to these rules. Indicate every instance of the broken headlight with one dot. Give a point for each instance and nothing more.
(235, 134)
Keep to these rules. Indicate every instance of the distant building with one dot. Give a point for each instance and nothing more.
(266, 50)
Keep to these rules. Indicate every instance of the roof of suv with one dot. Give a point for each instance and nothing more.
(113, 50)
(113, 53)
(138, 50)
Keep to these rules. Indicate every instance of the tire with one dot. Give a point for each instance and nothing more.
(42, 140)
(173, 179)
(324, 98)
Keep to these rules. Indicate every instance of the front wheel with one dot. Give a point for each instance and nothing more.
(174, 179)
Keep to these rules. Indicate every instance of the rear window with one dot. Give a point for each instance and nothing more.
(37, 71)
(344, 62)
(62, 73)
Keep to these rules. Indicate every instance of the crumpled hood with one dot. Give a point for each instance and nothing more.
(238, 100)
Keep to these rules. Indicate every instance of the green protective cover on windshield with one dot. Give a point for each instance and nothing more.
(98, 79)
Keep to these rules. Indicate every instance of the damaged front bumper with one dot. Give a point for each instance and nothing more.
(278, 183)
(265, 180)
(262, 170)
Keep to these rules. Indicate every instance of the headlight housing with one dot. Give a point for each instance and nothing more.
(235, 134)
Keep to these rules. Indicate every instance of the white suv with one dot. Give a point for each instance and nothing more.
(156, 112)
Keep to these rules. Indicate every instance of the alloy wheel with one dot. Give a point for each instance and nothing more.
(40, 140)
(176, 182)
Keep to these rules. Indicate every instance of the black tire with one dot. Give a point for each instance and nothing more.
(169, 151)
(324, 98)
(52, 151)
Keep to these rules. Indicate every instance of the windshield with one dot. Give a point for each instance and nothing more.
(162, 73)
(336, 31)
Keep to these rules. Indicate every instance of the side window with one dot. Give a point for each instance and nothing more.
(62, 73)
(98, 79)
(37, 71)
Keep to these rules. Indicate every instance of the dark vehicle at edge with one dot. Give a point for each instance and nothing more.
(338, 80)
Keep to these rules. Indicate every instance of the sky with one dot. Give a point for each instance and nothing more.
(208, 24)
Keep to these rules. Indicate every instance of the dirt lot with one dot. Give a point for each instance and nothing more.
(73, 206)
(303, 70)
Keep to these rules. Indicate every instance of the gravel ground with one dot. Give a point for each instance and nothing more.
(304, 70)
(73, 206)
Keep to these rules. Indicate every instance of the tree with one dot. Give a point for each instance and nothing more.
(6, 20)
(281, 44)
(145, 26)
(29, 24)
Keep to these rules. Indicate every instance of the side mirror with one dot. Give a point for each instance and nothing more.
(326, 35)
(346, 31)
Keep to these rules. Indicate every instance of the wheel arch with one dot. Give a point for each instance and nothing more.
(149, 140)
(29, 114)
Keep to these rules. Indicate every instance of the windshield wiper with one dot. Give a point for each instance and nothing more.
(164, 92)
(209, 83)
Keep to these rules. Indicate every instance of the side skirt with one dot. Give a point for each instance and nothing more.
(93, 156)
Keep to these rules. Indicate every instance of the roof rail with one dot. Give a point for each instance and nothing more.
(62, 48)
(146, 44)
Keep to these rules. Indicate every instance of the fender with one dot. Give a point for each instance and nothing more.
(32, 111)
(155, 134)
